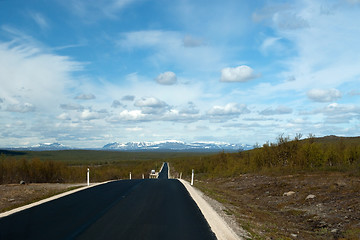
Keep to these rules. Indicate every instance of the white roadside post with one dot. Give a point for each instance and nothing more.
(143, 176)
(192, 177)
(130, 175)
(88, 177)
(180, 175)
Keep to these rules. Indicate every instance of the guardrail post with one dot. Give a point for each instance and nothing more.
(88, 177)
(192, 177)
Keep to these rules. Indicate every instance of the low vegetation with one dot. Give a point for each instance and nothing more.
(285, 156)
(71, 166)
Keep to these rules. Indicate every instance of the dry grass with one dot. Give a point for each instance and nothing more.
(15, 195)
(260, 207)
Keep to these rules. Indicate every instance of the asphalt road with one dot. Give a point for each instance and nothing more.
(164, 172)
(125, 209)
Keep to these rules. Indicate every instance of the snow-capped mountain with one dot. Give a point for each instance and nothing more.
(48, 147)
(174, 145)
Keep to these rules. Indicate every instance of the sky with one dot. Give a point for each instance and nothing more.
(85, 73)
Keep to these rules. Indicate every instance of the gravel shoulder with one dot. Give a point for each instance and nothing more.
(221, 226)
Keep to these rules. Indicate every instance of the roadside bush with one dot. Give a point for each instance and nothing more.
(285, 155)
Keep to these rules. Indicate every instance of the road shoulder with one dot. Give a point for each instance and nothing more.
(218, 225)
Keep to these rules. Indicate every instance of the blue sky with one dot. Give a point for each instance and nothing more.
(88, 72)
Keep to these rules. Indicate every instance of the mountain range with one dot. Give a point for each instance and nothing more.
(174, 145)
(168, 145)
(43, 147)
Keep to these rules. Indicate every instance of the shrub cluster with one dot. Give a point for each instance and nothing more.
(285, 155)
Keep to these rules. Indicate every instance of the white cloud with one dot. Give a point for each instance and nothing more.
(134, 129)
(71, 107)
(29, 73)
(339, 109)
(276, 111)
(335, 113)
(166, 78)
(149, 39)
(150, 102)
(128, 98)
(21, 108)
(282, 16)
(85, 96)
(175, 115)
(91, 11)
(241, 73)
(64, 116)
(151, 105)
(269, 43)
(40, 20)
(325, 54)
(117, 104)
(88, 114)
(321, 95)
(340, 113)
(129, 115)
(289, 20)
(190, 108)
(230, 109)
(166, 48)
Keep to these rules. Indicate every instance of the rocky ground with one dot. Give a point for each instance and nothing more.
(16, 195)
(302, 206)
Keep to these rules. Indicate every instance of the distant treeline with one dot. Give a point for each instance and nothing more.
(13, 170)
(286, 155)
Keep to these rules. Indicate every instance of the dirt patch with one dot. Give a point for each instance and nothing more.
(16, 195)
(311, 206)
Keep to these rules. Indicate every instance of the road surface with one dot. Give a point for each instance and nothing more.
(164, 172)
(125, 209)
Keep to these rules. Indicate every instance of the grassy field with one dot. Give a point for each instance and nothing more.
(94, 157)
(70, 165)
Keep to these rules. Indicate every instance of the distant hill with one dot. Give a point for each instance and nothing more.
(333, 138)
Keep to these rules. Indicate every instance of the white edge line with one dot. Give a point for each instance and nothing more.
(217, 224)
(168, 170)
(161, 167)
(15, 210)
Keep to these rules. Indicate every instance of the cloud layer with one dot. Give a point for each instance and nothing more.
(321, 95)
(127, 70)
